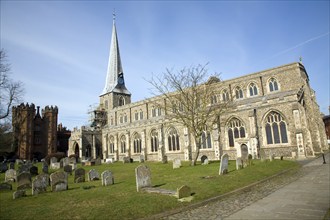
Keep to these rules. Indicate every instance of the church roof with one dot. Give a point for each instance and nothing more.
(115, 68)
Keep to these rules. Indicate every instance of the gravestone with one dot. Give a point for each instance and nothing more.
(244, 154)
(19, 162)
(68, 169)
(5, 186)
(18, 194)
(143, 177)
(10, 175)
(263, 156)
(239, 163)
(44, 167)
(40, 184)
(72, 160)
(59, 181)
(107, 178)
(206, 161)
(126, 160)
(141, 159)
(73, 166)
(203, 158)
(65, 161)
(93, 175)
(23, 168)
(12, 165)
(79, 175)
(183, 191)
(53, 160)
(23, 180)
(176, 163)
(34, 170)
(98, 161)
(223, 164)
(55, 166)
(271, 157)
(164, 159)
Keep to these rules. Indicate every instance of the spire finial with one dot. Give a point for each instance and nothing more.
(300, 59)
(114, 15)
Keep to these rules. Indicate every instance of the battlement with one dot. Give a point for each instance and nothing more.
(50, 109)
(26, 107)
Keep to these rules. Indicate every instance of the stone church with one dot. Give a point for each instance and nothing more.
(275, 113)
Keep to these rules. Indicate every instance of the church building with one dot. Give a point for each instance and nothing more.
(275, 113)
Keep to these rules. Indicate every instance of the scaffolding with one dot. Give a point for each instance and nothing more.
(97, 116)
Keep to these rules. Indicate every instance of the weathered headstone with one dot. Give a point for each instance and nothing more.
(73, 160)
(176, 163)
(203, 158)
(55, 166)
(34, 170)
(206, 161)
(79, 175)
(12, 165)
(239, 163)
(40, 184)
(5, 186)
(18, 194)
(65, 161)
(44, 167)
(271, 157)
(126, 160)
(223, 164)
(143, 177)
(10, 175)
(23, 168)
(107, 178)
(244, 152)
(23, 180)
(93, 175)
(53, 160)
(73, 166)
(164, 159)
(68, 169)
(19, 162)
(141, 159)
(263, 156)
(183, 191)
(98, 161)
(59, 181)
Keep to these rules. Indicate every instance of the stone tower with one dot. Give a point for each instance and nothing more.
(35, 136)
(114, 93)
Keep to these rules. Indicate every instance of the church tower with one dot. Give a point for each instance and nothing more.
(115, 92)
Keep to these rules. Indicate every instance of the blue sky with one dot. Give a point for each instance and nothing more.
(60, 49)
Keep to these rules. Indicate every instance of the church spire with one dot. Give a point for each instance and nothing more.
(115, 75)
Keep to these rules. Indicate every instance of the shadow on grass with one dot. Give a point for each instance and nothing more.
(159, 185)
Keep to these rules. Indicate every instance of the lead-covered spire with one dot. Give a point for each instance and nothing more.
(115, 75)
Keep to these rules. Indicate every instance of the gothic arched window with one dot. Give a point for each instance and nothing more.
(123, 144)
(173, 140)
(276, 131)
(238, 93)
(236, 129)
(225, 96)
(137, 143)
(121, 101)
(111, 145)
(206, 140)
(253, 90)
(154, 141)
(273, 85)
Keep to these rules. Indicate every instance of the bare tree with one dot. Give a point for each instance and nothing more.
(11, 91)
(192, 100)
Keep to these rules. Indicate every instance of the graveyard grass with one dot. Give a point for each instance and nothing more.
(91, 200)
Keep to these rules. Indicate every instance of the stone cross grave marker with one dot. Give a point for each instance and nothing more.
(107, 178)
(10, 175)
(143, 177)
(93, 175)
(176, 163)
(79, 175)
(23, 180)
(223, 164)
(40, 184)
(239, 163)
(59, 181)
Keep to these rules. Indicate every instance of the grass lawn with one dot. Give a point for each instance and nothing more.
(121, 201)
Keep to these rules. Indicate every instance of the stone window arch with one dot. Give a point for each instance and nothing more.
(275, 128)
(111, 145)
(154, 140)
(173, 140)
(273, 85)
(125, 117)
(136, 115)
(121, 118)
(253, 89)
(137, 143)
(236, 130)
(123, 144)
(141, 114)
(206, 142)
(225, 95)
(238, 93)
(121, 101)
(214, 99)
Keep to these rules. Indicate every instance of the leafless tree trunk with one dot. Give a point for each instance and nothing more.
(188, 95)
(11, 92)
